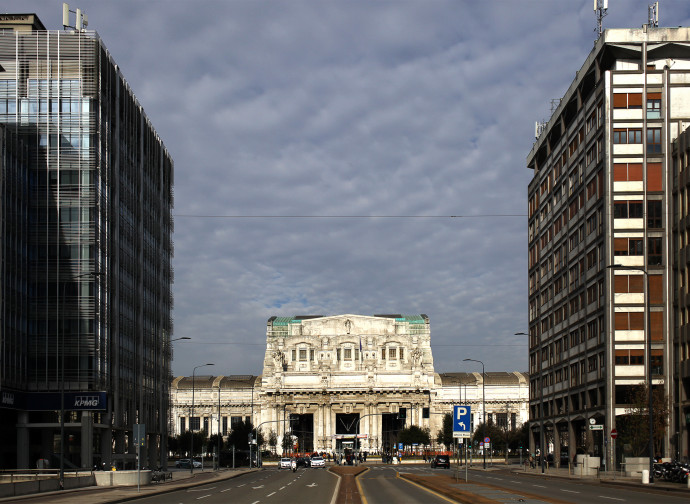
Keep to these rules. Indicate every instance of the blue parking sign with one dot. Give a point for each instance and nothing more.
(462, 420)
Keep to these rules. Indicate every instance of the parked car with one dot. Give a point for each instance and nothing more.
(441, 461)
(285, 463)
(317, 461)
(187, 464)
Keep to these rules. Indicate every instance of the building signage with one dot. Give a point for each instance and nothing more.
(46, 401)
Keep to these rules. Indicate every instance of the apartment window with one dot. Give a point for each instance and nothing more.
(627, 210)
(627, 246)
(653, 105)
(294, 354)
(653, 140)
(654, 219)
(392, 352)
(654, 177)
(629, 321)
(654, 255)
(624, 284)
(627, 136)
(657, 362)
(624, 172)
(347, 353)
(183, 424)
(303, 354)
(627, 100)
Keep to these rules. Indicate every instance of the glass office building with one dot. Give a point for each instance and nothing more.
(86, 275)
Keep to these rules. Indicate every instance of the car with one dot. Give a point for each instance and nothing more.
(303, 462)
(441, 461)
(182, 464)
(285, 463)
(187, 464)
(317, 461)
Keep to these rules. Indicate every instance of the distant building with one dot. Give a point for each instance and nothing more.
(601, 247)
(86, 241)
(346, 381)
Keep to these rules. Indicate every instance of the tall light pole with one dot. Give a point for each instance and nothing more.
(191, 416)
(650, 398)
(483, 404)
(62, 378)
(165, 410)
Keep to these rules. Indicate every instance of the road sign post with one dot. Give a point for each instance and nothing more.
(462, 423)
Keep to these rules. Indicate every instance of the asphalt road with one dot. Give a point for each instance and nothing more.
(574, 491)
(381, 485)
(263, 487)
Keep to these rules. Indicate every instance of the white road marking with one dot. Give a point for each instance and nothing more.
(226, 490)
(256, 488)
(518, 482)
(281, 488)
(612, 498)
(569, 491)
(312, 485)
(272, 493)
(539, 486)
(203, 496)
(256, 502)
(239, 486)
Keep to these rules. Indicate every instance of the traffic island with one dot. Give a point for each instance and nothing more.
(348, 491)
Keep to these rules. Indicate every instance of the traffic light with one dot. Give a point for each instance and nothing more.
(402, 414)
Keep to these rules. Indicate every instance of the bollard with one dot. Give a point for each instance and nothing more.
(645, 476)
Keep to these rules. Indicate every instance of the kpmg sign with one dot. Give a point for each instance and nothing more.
(46, 401)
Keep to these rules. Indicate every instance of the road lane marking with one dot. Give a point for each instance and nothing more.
(281, 488)
(203, 496)
(569, 491)
(612, 498)
(539, 486)
(226, 490)
(272, 493)
(238, 486)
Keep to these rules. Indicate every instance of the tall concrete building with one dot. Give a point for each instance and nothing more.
(601, 284)
(85, 311)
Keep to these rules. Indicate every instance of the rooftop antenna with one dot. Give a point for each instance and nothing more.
(601, 7)
(81, 19)
(653, 15)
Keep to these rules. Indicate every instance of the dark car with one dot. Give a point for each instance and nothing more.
(441, 461)
(303, 462)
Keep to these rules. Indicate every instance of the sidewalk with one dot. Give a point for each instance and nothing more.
(109, 495)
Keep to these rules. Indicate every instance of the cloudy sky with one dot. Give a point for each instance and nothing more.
(350, 156)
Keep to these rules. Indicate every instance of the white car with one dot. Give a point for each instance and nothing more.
(285, 463)
(317, 461)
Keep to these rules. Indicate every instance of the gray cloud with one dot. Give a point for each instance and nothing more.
(351, 108)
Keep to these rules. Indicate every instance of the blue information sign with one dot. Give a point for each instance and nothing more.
(462, 420)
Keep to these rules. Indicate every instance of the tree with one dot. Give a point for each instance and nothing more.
(445, 435)
(287, 444)
(634, 426)
(184, 441)
(239, 437)
(173, 445)
(272, 440)
(215, 441)
(519, 438)
(414, 435)
(492, 431)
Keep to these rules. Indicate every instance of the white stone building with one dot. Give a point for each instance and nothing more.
(346, 381)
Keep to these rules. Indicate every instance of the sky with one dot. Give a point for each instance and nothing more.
(350, 156)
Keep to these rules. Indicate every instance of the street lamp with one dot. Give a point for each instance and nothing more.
(164, 409)
(483, 404)
(649, 363)
(62, 379)
(191, 417)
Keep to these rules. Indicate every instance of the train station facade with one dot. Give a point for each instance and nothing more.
(346, 381)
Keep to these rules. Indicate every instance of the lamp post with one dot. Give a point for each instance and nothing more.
(542, 457)
(191, 416)
(62, 379)
(650, 398)
(483, 404)
(165, 409)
